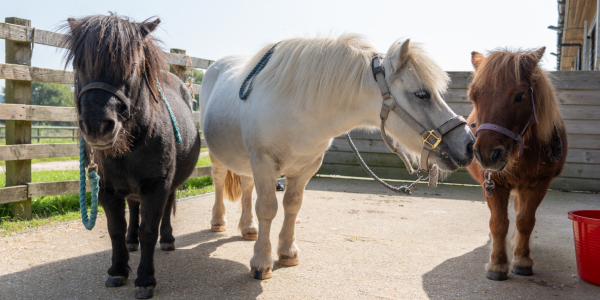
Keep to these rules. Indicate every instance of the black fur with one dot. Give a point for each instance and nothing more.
(139, 158)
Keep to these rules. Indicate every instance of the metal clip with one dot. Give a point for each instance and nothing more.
(92, 166)
(488, 184)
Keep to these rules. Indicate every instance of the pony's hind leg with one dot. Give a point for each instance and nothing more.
(247, 225)
(114, 207)
(219, 174)
(167, 240)
(497, 267)
(528, 202)
(133, 241)
(265, 172)
(292, 201)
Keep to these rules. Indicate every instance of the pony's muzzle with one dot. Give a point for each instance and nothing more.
(99, 134)
(492, 158)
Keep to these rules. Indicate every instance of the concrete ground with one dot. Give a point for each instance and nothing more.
(357, 240)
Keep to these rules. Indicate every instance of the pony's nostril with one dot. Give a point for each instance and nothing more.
(477, 155)
(497, 155)
(107, 127)
(83, 127)
(470, 149)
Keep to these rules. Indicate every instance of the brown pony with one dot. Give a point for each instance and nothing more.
(520, 146)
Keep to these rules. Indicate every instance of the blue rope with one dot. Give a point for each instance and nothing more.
(248, 84)
(94, 179)
(173, 120)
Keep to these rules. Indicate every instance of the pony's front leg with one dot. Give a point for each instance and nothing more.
(292, 201)
(497, 267)
(219, 173)
(528, 202)
(114, 207)
(133, 202)
(153, 205)
(247, 225)
(265, 172)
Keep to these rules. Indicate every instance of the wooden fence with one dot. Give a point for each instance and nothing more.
(579, 95)
(19, 113)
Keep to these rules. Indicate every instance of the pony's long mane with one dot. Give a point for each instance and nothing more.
(328, 72)
(110, 46)
(504, 67)
(428, 73)
(316, 71)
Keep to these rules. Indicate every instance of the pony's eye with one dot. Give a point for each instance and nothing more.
(519, 97)
(423, 95)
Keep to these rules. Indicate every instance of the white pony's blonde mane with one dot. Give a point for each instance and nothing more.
(429, 74)
(327, 71)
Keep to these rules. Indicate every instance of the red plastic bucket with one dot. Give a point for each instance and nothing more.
(586, 228)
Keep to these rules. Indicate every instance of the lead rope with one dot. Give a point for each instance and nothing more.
(173, 120)
(401, 189)
(90, 222)
(248, 83)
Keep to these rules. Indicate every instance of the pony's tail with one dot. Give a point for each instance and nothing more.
(233, 187)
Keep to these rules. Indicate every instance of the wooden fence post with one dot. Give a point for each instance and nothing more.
(178, 70)
(18, 132)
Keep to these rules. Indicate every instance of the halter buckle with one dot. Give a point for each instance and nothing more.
(432, 134)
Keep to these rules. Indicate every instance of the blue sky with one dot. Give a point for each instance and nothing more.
(449, 30)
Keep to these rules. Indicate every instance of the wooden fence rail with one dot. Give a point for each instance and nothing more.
(19, 113)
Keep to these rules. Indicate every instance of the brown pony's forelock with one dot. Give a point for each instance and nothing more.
(504, 68)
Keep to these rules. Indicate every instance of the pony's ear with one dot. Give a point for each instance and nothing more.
(538, 54)
(148, 27)
(476, 59)
(401, 54)
(72, 23)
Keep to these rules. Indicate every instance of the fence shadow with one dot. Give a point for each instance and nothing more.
(192, 271)
(369, 186)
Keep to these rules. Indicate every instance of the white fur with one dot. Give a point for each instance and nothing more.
(311, 91)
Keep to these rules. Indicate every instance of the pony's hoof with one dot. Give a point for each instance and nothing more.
(258, 274)
(251, 234)
(133, 247)
(115, 281)
(218, 228)
(288, 261)
(145, 293)
(523, 271)
(167, 246)
(496, 276)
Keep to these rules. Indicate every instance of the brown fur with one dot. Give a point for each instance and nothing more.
(233, 187)
(497, 79)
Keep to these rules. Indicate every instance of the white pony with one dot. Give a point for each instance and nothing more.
(311, 90)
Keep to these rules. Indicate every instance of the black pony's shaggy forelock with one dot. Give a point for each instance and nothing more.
(112, 46)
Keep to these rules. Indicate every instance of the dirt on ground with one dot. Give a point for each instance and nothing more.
(356, 240)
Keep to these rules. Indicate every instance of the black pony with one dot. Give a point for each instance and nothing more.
(123, 118)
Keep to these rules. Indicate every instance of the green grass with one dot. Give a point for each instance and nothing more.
(52, 210)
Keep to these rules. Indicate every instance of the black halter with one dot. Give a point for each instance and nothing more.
(116, 92)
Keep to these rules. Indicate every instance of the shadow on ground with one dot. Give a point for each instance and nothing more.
(180, 274)
(463, 277)
(443, 191)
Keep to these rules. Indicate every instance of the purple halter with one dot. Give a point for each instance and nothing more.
(509, 133)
